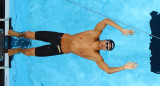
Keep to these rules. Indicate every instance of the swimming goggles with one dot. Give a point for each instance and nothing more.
(107, 43)
(107, 48)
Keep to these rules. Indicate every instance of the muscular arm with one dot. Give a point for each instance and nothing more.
(108, 69)
(101, 25)
(100, 62)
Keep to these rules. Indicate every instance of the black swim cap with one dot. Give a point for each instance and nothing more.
(112, 44)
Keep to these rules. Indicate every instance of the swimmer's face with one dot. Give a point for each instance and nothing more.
(104, 45)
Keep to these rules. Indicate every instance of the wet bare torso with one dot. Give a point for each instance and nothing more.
(80, 44)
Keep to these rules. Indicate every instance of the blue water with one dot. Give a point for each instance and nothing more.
(70, 69)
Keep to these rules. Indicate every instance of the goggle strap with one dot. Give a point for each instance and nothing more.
(112, 45)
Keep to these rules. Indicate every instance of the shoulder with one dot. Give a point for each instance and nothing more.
(91, 33)
(97, 56)
(95, 33)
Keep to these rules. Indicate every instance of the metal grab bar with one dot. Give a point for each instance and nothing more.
(7, 19)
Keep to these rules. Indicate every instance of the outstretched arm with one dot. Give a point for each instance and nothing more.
(101, 25)
(111, 70)
(108, 69)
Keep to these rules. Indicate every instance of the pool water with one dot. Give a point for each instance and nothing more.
(70, 69)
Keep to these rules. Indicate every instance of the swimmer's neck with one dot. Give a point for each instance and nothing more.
(95, 45)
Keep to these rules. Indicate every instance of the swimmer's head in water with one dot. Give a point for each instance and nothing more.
(107, 45)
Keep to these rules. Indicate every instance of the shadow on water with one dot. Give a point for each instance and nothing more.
(19, 43)
(155, 43)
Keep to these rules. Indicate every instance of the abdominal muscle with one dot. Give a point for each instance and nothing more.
(79, 44)
(66, 43)
(69, 44)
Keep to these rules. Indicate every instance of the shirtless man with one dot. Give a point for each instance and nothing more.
(85, 44)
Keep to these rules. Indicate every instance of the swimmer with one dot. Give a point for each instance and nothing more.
(85, 44)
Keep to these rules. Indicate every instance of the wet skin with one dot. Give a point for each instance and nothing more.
(85, 44)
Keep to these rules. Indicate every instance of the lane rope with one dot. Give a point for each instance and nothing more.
(112, 19)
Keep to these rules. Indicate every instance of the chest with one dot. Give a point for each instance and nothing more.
(82, 43)
(83, 47)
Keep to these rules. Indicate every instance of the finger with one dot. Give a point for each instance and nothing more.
(134, 63)
(131, 34)
(132, 68)
(133, 31)
(130, 62)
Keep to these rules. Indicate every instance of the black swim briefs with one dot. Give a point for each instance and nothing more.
(48, 50)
